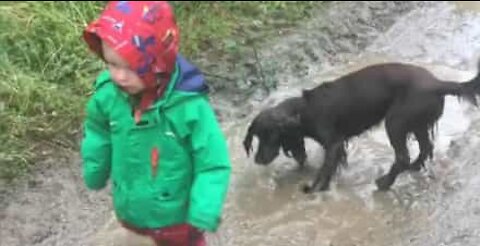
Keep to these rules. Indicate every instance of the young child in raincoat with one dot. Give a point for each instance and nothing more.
(150, 129)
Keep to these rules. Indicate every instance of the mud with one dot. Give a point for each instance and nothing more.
(438, 206)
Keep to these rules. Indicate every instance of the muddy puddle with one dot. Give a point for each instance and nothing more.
(438, 206)
(266, 204)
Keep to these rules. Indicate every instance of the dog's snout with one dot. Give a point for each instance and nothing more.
(265, 156)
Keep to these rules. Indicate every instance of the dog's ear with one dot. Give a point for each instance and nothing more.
(247, 142)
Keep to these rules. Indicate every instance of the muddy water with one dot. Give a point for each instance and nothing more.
(266, 206)
(438, 206)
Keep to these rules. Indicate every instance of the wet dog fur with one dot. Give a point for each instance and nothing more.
(407, 97)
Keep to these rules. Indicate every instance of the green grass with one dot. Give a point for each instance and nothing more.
(46, 71)
(225, 26)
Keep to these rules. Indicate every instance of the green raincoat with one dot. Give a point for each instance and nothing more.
(172, 167)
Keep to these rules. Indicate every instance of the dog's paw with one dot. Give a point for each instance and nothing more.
(416, 166)
(307, 189)
(384, 183)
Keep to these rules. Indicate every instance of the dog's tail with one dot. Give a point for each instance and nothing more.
(468, 90)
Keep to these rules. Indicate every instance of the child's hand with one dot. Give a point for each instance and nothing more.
(195, 232)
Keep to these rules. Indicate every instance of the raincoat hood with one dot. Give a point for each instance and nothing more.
(145, 34)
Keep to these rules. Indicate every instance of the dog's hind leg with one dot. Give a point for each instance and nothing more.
(426, 149)
(397, 135)
(428, 112)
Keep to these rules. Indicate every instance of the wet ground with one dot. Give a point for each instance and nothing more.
(435, 207)
(439, 206)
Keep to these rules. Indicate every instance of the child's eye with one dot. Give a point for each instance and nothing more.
(117, 66)
(113, 66)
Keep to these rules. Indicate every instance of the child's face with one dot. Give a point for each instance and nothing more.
(122, 75)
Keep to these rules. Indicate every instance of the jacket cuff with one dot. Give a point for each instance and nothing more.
(204, 222)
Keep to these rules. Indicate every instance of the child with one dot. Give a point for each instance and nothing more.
(150, 128)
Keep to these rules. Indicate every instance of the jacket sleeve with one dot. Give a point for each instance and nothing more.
(211, 170)
(95, 147)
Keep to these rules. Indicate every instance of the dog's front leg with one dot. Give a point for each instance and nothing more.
(293, 145)
(299, 154)
(324, 175)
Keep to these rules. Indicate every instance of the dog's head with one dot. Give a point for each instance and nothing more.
(271, 127)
